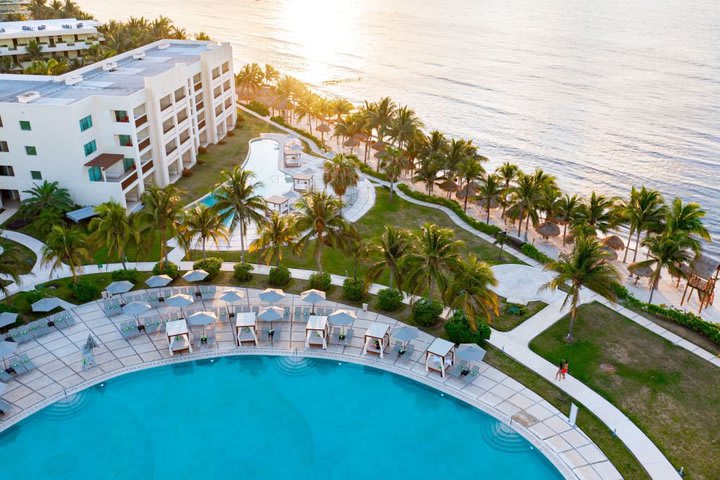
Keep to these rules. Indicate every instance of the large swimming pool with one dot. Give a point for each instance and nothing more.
(265, 417)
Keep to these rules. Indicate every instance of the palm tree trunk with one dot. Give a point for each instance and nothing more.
(627, 247)
(527, 227)
(392, 278)
(487, 211)
(121, 253)
(519, 226)
(564, 233)
(573, 316)
(242, 242)
(318, 248)
(466, 198)
(655, 283)
(637, 245)
(203, 249)
(391, 190)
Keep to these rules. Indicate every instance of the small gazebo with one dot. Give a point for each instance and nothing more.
(317, 327)
(439, 356)
(292, 153)
(178, 337)
(377, 338)
(278, 203)
(246, 328)
(302, 181)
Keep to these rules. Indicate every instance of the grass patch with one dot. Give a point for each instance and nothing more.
(26, 257)
(509, 319)
(206, 174)
(667, 391)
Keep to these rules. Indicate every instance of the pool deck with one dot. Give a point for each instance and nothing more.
(59, 373)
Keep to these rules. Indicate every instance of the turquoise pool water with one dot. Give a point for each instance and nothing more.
(265, 417)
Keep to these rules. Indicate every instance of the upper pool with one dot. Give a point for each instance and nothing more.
(265, 417)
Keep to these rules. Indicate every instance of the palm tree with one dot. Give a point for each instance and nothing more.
(668, 250)
(271, 75)
(524, 201)
(391, 163)
(202, 37)
(644, 211)
(47, 195)
(33, 50)
(161, 213)
(435, 256)
(469, 170)
(380, 116)
(340, 107)
(600, 212)
(470, 292)
(113, 228)
(356, 248)
(10, 264)
(403, 126)
(687, 219)
(392, 247)
(490, 191)
(507, 173)
(340, 173)
(202, 223)
(318, 215)
(427, 173)
(586, 266)
(65, 246)
(238, 199)
(249, 78)
(274, 234)
(567, 209)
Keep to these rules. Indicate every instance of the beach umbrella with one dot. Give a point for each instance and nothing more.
(312, 296)
(136, 308)
(482, 203)
(609, 253)
(195, 275)
(202, 319)
(470, 190)
(323, 128)
(614, 242)
(360, 137)
(231, 296)
(179, 300)
(46, 304)
(7, 318)
(120, 287)
(448, 186)
(351, 142)
(90, 344)
(271, 314)
(7, 349)
(157, 281)
(705, 267)
(640, 270)
(405, 334)
(548, 229)
(342, 317)
(469, 352)
(380, 146)
(271, 295)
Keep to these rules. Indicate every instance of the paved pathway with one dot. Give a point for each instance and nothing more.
(59, 372)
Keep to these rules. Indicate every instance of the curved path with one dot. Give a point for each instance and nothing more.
(59, 373)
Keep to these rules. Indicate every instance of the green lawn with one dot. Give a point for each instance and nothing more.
(670, 393)
(206, 174)
(400, 213)
(507, 320)
(26, 256)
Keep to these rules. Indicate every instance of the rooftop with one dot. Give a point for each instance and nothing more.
(59, 26)
(127, 74)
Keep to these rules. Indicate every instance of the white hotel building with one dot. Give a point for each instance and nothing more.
(108, 130)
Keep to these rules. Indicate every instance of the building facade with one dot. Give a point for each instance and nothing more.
(109, 130)
(61, 38)
(13, 7)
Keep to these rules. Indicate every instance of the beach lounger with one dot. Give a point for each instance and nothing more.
(474, 371)
(20, 334)
(4, 407)
(152, 325)
(129, 329)
(286, 316)
(306, 313)
(5, 377)
(210, 333)
(298, 313)
(22, 364)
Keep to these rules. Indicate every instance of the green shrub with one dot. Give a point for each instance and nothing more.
(367, 170)
(242, 271)
(166, 268)
(320, 281)
(389, 299)
(353, 290)
(279, 276)
(32, 296)
(211, 265)
(4, 307)
(459, 331)
(86, 290)
(532, 252)
(453, 205)
(426, 312)
(130, 275)
(258, 107)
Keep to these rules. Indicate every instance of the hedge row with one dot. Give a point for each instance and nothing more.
(672, 314)
(281, 121)
(258, 107)
(532, 252)
(453, 205)
(367, 170)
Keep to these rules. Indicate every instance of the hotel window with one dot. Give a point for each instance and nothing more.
(90, 148)
(95, 174)
(30, 150)
(121, 116)
(125, 140)
(128, 163)
(85, 123)
(7, 171)
(1, 124)
(4, 146)
(35, 175)
(25, 125)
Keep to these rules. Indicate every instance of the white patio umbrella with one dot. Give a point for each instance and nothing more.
(179, 300)
(195, 275)
(46, 304)
(202, 319)
(271, 314)
(136, 308)
(123, 286)
(157, 281)
(469, 352)
(7, 318)
(231, 296)
(7, 349)
(342, 318)
(271, 295)
(405, 334)
(312, 296)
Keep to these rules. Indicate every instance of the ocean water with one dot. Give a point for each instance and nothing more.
(265, 418)
(604, 95)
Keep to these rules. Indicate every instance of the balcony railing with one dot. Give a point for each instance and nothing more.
(144, 143)
(129, 180)
(141, 120)
(147, 166)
